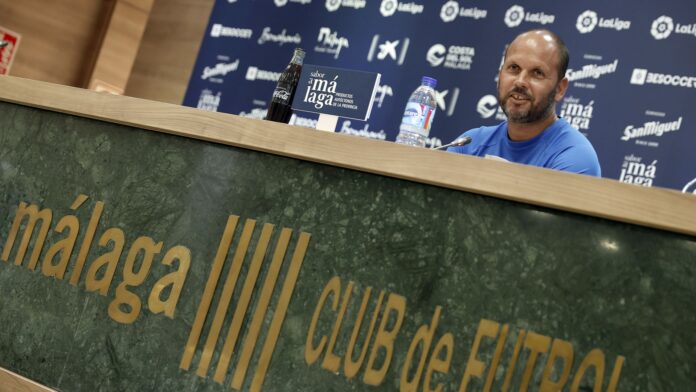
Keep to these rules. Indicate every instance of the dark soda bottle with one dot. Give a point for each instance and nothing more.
(280, 109)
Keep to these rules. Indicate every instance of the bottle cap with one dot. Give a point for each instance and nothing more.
(428, 81)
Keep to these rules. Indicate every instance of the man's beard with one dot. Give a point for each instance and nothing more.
(535, 113)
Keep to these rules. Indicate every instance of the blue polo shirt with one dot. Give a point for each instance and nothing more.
(559, 147)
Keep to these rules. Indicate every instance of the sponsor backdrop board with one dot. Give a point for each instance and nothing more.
(9, 42)
(162, 263)
(632, 68)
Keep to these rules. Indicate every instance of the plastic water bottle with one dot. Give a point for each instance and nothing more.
(418, 115)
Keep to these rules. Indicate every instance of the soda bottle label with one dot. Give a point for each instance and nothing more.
(418, 118)
(282, 95)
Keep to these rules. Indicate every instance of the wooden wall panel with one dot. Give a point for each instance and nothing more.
(119, 48)
(59, 37)
(168, 49)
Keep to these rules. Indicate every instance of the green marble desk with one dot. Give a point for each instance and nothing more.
(151, 247)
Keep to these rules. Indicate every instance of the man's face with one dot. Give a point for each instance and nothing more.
(528, 84)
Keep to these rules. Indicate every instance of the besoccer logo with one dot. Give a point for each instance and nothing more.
(280, 3)
(332, 5)
(388, 7)
(514, 16)
(586, 22)
(662, 27)
(639, 75)
(449, 11)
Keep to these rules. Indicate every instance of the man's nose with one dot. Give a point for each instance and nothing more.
(522, 79)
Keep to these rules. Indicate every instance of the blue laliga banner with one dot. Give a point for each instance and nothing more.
(632, 70)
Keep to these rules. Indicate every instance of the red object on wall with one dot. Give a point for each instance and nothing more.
(8, 51)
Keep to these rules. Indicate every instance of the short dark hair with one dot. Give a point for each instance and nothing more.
(563, 53)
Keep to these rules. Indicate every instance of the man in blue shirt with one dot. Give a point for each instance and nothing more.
(530, 83)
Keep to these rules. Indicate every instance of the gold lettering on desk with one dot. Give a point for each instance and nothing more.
(126, 305)
(537, 344)
(384, 340)
(242, 303)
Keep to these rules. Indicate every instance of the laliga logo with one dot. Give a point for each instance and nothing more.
(690, 187)
(586, 22)
(449, 11)
(514, 16)
(333, 5)
(662, 27)
(388, 7)
(436, 55)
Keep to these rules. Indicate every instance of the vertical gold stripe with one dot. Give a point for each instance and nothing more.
(226, 296)
(243, 302)
(261, 308)
(279, 314)
(207, 298)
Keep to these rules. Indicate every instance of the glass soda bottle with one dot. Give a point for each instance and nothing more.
(419, 114)
(280, 108)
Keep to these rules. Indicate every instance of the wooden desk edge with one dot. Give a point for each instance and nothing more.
(652, 207)
(14, 382)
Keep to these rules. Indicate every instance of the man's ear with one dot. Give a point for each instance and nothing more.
(561, 89)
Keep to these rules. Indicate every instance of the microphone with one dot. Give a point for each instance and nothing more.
(460, 141)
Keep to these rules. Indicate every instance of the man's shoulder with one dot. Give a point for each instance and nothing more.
(566, 134)
(484, 131)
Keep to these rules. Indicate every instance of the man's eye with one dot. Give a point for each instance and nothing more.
(538, 73)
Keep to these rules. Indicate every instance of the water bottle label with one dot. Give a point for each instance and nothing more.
(418, 117)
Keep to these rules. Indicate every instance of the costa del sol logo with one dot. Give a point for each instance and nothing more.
(662, 27)
(436, 55)
(451, 10)
(587, 21)
(516, 14)
(488, 106)
(454, 57)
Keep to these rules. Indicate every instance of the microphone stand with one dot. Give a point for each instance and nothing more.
(460, 141)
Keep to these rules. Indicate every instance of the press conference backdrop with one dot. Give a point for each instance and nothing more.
(632, 70)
